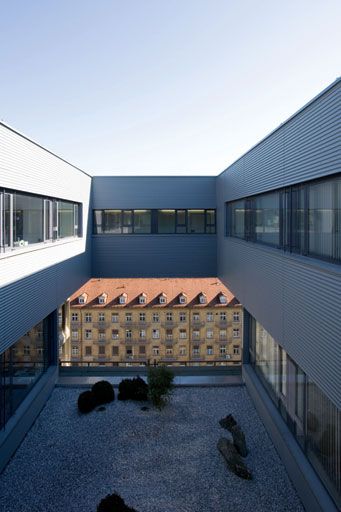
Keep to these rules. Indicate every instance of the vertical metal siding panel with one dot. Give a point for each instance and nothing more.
(154, 256)
(298, 300)
(34, 283)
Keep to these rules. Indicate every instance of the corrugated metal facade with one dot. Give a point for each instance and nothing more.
(296, 299)
(153, 255)
(36, 282)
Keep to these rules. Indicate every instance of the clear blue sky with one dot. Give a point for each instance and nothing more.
(161, 86)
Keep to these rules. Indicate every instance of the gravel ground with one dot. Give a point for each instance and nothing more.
(157, 461)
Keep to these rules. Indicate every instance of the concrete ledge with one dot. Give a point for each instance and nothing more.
(19, 424)
(312, 492)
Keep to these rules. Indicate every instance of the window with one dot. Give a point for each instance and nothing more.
(142, 221)
(142, 317)
(123, 298)
(129, 352)
(222, 350)
(209, 333)
(74, 350)
(196, 334)
(114, 318)
(102, 299)
(182, 317)
(88, 317)
(88, 351)
(88, 334)
(236, 350)
(114, 351)
(129, 333)
(303, 219)
(142, 349)
(101, 335)
(222, 316)
(29, 219)
(156, 351)
(169, 351)
(182, 299)
(209, 317)
(164, 221)
(196, 317)
(222, 299)
(74, 317)
(169, 317)
(223, 334)
(182, 351)
(129, 317)
(196, 350)
(162, 299)
(182, 334)
(156, 317)
(196, 221)
(115, 334)
(101, 350)
(142, 299)
(155, 334)
(142, 333)
(169, 334)
(101, 317)
(202, 299)
(81, 300)
(236, 333)
(209, 350)
(235, 316)
(74, 335)
(27, 350)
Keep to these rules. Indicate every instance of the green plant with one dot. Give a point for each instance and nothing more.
(86, 402)
(133, 389)
(160, 381)
(103, 391)
(113, 503)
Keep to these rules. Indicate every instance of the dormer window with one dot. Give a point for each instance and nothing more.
(82, 299)
(102, 298)
(182, 299)
(202, 298)
(162, 299)
(123, 298)
(142, 298)
(222, 299)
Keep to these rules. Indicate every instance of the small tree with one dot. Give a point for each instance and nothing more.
(160, 381)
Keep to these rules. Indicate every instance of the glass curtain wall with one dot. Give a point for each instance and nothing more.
(311, 416)
(21, 366)
(304, 219)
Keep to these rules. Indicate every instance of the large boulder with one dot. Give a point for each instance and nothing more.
(228, 422)
(239, 440)
(234, 461)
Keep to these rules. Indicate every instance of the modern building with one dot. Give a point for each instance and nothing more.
(276, 246)
(176, 321)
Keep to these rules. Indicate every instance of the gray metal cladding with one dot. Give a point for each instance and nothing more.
(118, 192)
(297, 299)
(305, 147)
(154, 256)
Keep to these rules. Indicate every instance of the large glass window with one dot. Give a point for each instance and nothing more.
(165, 221)
(21, 366)
(311, 416)
(304, 219)
(29, 219)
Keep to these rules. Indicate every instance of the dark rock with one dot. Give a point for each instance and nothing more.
(228, 422)
(239, 440)
(233, 459)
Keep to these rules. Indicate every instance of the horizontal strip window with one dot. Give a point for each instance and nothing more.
(27, 219)
(166, 221)
(303, 219)
(312, 418)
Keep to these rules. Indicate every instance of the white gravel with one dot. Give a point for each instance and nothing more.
(157, 461)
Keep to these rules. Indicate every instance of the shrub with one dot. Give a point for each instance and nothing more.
(86, 402)
(113, 503)
(133, 389)
(103, 391)
(160, 381)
